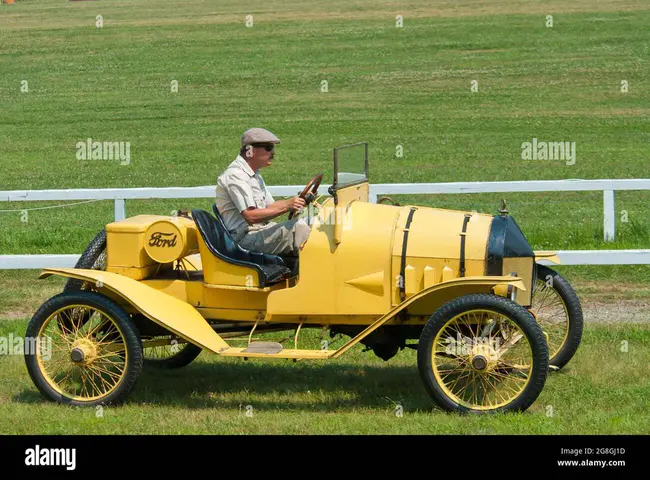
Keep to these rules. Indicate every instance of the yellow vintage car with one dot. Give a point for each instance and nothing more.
(487, 320)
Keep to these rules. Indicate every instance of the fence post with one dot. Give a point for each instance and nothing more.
(609, 208)
(120, 209)
(372, 197)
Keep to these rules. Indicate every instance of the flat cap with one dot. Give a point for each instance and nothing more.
(258, 135)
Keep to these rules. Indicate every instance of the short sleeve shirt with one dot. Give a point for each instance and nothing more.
(239, 188)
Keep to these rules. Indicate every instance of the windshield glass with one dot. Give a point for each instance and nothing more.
(351, 164)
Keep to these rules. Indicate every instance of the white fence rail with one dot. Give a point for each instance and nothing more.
(576, 257)
(567, 257)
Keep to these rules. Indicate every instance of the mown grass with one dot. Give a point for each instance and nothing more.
(602, 391)
(389, 86)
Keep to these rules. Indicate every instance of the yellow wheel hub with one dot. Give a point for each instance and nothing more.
(83, 352)
(483, 358)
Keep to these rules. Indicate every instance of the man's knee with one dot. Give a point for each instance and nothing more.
(301, 234)
(282, 239)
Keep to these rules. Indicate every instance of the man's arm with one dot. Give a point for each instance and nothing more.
(256, 215)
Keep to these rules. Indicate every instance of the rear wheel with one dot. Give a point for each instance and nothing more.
(164, 357)
(84, 351)
(482, 353)
(557, 309)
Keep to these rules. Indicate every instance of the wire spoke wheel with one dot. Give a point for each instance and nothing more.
(87, 351)
(168, 351)
(557, 309)
(489, 364)
(551, 314)
(88, 360)
(482, 353)
(162, 346)
(93, 258)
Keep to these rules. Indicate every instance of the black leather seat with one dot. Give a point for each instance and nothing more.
(270, 268)
(290, 262)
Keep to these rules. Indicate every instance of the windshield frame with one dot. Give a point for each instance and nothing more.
(336, 185)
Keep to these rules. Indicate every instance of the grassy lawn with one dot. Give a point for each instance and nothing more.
(389, 86)
(407, 87)
(602, 391)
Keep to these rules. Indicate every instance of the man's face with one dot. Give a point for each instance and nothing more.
(260, 156)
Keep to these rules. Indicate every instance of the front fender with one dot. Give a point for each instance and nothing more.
(449, 289)
(428, 300)
(547, 257)
(171, 313)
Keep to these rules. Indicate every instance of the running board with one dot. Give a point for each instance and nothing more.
(254, 352)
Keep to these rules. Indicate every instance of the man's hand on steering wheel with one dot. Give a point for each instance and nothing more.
(307, 195)
(295, 204)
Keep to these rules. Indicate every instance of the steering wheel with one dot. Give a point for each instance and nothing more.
(308, 193)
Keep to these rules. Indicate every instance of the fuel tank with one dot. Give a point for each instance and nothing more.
(434, 245)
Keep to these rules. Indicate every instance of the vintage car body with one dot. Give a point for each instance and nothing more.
(374, 272)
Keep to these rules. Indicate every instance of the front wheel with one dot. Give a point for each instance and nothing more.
(482, 353)
(83, 350)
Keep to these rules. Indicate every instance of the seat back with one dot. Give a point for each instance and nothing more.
(265, 259)
(220, 220)
(259, 258)
(269, 268)
(217, 238)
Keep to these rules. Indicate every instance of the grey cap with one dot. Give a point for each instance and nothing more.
(258, 135)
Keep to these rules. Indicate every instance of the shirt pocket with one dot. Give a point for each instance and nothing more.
(259, 198)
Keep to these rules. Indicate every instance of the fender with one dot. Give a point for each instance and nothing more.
(171, 313)
(515, 282)
(548, 256)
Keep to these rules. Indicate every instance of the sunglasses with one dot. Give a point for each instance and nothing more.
(267, 147)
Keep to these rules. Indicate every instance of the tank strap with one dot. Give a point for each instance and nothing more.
(402, 270)
(463, 236)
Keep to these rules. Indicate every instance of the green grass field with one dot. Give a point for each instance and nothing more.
(389, 86)
(602, 391)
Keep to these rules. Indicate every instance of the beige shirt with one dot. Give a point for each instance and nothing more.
(239, 188)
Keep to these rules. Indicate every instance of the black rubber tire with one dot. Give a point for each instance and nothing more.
(179, 360)
(502, 305)
(88, 260)
(574, 309)
(109, 308)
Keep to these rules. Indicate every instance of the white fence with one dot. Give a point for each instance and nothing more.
(568, 257)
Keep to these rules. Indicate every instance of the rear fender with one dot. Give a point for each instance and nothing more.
(169, 312)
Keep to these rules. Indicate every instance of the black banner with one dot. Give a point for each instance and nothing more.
(69, 455)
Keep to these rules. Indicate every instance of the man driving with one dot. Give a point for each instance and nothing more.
(246, 205)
